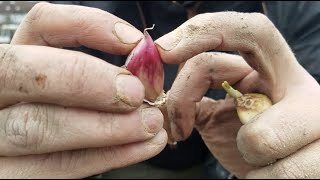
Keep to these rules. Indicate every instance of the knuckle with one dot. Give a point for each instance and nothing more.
(77, 73)
(288, 170)
(82, 19)
(262, 18)
(204, 65)
(258, 144)
(36, 13)
(7, 53)
(198, 26)
(264, 27)
(199, 19)
(203, 60)
(26, 127)
(8, 58)
(65, 162)
(69, 161)
(109, 128)
(253, 29)
(9, 70)
(114, 157)
(108, 153)
(4, 48)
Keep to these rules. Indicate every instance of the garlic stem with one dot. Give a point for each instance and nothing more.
(232, 92)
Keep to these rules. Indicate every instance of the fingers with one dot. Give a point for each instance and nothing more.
(252, 34)
(81, 163)
(204, 71)
(50, 75)
(303, 164)
(71, 26)
(217, 124)
(280, 130)
(38, 129)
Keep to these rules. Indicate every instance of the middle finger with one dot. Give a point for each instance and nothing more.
(38, 128)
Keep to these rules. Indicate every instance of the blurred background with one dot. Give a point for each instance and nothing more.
(11, 14)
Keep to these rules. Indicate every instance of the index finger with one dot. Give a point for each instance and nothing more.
(72, 26)
(200, 73)
(68, 78)
(252, 34)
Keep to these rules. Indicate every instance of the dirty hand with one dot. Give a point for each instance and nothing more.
(286, 135)
(65, 114)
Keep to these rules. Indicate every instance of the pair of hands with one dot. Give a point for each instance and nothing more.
(68, 114)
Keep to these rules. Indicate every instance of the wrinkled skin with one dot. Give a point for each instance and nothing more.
(286, 135)
(65, 114)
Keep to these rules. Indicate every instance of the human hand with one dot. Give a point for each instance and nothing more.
(65, 114)
(285, 135)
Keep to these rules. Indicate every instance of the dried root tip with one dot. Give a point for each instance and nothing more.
(161, 103)
(150, 28)
(173, 145)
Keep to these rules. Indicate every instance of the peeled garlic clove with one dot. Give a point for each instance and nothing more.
(145, 63)
(248, 105)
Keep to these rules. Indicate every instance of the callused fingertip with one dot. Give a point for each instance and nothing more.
(178, 134)
(169, 41)
(126, 33)
(130, 90)
(160, 140)
(152, 119)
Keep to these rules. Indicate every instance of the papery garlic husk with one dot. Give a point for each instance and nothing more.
(145, 63)
(248, 105)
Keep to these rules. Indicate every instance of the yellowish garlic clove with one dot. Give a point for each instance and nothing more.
(248, 105)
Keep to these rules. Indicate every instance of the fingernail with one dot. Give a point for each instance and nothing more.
(130, 90)
(126, 33)
(152, 119)
(169, 41)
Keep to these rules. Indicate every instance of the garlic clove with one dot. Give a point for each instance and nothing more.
(248, 105)
(145, 63)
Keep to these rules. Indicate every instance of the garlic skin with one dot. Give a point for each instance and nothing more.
(145, 63)
(248, 105)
